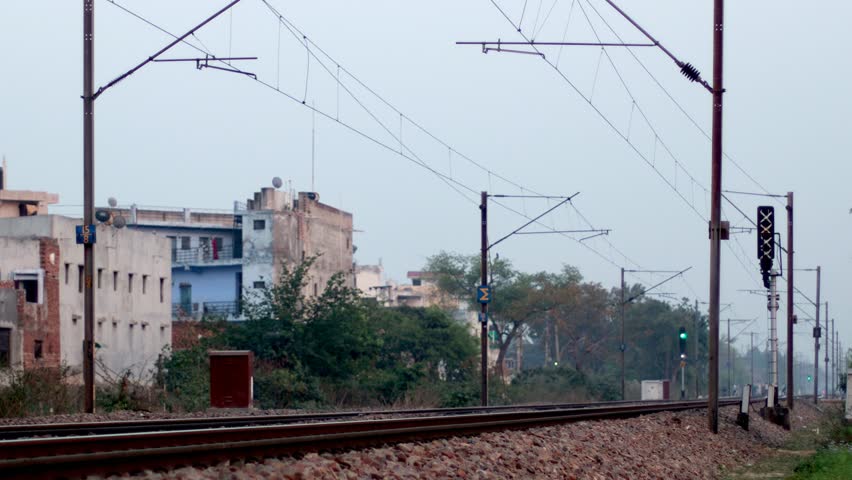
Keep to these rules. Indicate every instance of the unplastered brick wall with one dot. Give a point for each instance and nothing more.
(40, 322)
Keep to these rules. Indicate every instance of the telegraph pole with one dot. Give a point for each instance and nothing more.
(87, 229)
(790, 300)
(715, 217)
(622, 347)
(816, 341)
(88, 202)
(483, 315)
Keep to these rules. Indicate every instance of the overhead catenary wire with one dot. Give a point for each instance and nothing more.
(675, 102)
(606, 119)
(410, 156)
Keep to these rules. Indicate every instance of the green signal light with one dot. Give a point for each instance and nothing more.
(810, 378)
(683, 335)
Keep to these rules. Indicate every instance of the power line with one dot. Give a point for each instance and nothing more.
(677, 104)
(411, 156)
(609, 122)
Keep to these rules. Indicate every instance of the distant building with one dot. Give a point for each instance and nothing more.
(41, 295)
(22, 203)
(205, 255)
(422, 292)
(216, 256)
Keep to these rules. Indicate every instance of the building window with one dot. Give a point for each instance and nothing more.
(184, 243)
(144, 284)
(162, 288)
(416, 282)
(30, 288)
(5, 346)
(37, 349)
(260, 224)
(100, 276)
(186, 298)
(129, 283)
(67, 272)
(260, 284)
(115, 280)
(80, 272)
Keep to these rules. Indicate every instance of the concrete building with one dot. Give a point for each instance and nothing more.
(279, 230)
(216, 256)
(41, 295)
(22, 203)
(205, 255)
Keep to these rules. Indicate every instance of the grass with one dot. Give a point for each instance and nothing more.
(832, 463)
(822, 453)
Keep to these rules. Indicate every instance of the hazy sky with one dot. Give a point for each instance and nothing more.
(175, 136)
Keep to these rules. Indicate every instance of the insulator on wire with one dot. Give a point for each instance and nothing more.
(690, 72)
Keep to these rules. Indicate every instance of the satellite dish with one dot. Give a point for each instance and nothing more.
(112, 202)
(102, 216)
(276, 182)
(119, 222)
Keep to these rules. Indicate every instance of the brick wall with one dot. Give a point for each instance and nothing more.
(40, 322)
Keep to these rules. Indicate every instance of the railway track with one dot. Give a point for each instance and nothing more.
(12, 432)
(194, 442)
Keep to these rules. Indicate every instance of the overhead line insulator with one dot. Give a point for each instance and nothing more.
(690, 72)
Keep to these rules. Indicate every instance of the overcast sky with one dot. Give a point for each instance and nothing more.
(172, 135)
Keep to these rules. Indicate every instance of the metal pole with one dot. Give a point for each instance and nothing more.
(790, 305)
(729, 356)
(752, 358)
(88, 202)
(827, 343)
(715, 218)
(773, 330)
(816, 342)
(683, 381)
(622, 347)
(695, 362)
(483, 320)
(833, 358)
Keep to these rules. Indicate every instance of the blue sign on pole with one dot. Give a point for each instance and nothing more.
(483, 294)
(85, 234)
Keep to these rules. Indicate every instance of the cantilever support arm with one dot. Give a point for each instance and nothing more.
(567, 199)
(153, 57)
(647, 290)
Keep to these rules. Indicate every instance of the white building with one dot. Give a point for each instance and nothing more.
(41, 261)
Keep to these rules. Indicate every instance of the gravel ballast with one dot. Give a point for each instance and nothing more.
(670, 445)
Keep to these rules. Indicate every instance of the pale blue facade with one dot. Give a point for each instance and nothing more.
(206, 256)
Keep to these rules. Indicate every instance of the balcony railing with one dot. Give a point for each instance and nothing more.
(206, 309)
(203, 255)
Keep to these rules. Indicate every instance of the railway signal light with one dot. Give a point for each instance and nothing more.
(810, 378)
(765, 237)
(682, 342)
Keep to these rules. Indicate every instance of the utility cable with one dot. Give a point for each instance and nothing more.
(604, 117)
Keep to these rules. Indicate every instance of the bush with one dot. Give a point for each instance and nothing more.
(185, 377)
(38, 391)
(554, 385)
(282, 388)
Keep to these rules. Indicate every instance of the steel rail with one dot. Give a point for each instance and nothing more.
(11, 432)
(120, 453)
